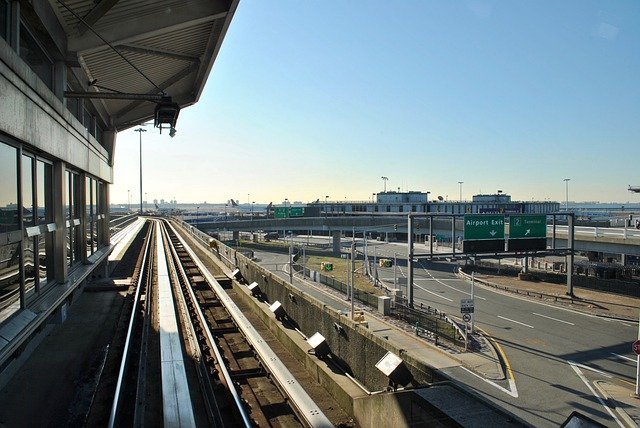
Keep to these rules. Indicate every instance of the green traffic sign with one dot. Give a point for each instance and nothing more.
(280, 212)
(527, 226)
(296, 212)
(483, 226)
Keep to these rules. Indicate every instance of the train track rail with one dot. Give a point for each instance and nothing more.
(232, 377)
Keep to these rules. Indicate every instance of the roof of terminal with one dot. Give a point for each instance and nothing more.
(173, 42)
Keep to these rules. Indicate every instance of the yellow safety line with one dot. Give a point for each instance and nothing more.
(501, 352)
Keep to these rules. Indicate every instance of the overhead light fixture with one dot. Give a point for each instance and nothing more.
(166, 115)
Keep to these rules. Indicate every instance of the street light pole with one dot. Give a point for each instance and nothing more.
(325, 206)
(566, 182)
(140, 131)
(384, 181)
(460, 183)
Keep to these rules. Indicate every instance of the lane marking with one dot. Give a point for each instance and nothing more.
(624, 357)
(586, 382)
(424, 289)
(512, 391)
(583, 366)
(517, 322)
(551, 318)
(431, 292)
(448, 286)
(627, 325)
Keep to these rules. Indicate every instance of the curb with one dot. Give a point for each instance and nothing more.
(614, 403)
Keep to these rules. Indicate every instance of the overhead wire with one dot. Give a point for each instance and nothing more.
(111, 46)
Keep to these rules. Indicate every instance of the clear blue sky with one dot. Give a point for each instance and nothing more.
(308, 99)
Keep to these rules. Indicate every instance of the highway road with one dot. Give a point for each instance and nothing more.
(553, 354)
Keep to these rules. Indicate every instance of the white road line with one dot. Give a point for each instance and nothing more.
(551, 318)
(573, 363)
(440, 281)
(431, 292)
(517, 322)
(624, 357)
(627, 325)
(512, 391)
(593, 391)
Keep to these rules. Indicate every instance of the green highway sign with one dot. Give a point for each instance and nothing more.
(281, 212)
(483, 226)
(296, 212)
(527, 226)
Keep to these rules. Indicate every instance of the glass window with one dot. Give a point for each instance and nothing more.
(10, 278)
(95, 222)
(68, 211)
(35, 57)
(88, 123)
(4, 19)
(43, 195)
(29, 261)
(27, 191)
(8, 189)
(89, 216)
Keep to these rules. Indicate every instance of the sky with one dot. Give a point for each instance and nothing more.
(309, 99)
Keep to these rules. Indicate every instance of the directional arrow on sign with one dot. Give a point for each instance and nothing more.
(527, 232)
(492, 233)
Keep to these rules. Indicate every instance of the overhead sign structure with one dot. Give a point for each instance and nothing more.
(527, 232)
(483, 233)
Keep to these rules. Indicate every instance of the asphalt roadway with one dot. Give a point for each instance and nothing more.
(557, 358)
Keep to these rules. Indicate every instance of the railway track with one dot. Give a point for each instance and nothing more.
(208, 356)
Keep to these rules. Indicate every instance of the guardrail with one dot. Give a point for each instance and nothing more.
(529, 293)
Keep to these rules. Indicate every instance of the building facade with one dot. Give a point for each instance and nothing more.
(66, 90)
(405, 202)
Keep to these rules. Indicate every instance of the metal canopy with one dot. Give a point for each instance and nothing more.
(173, 42)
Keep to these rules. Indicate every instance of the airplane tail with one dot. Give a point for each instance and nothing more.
(233, 203)
(269, 207)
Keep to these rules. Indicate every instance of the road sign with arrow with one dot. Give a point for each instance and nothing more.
(527, 232)
(483, 233)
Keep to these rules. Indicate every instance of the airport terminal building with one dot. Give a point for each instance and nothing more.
(419, 202)
(72, 75)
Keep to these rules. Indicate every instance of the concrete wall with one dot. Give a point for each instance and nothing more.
(31, 113)
(355, 348)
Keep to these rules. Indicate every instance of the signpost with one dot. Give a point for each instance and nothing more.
(483, 233)
(527, 232)
(466, 309)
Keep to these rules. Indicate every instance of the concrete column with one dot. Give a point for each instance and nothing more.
(82, 203)
(59, 79)
(571, 245)
(336, 235)
(58, 199)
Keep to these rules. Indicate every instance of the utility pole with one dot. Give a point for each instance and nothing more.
(460, 183)
(566, 182)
